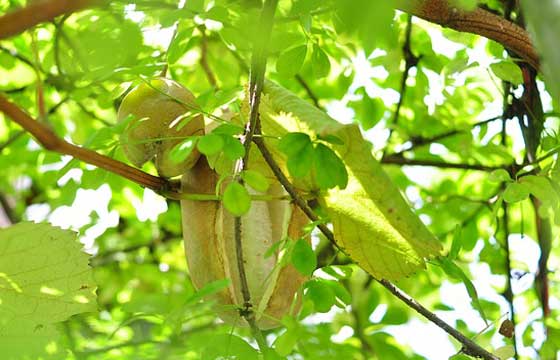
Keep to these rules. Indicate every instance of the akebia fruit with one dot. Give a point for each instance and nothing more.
(208, 231)
(160, 114)
(164, 114)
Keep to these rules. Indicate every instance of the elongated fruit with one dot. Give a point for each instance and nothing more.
(208, 231)
(164, 114)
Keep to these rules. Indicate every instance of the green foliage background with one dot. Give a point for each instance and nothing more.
(339, 55)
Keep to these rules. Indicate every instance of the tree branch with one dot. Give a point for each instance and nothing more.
(421, 141)
(38, 12)
(410, 60)
(257, 73)
(308, 90)
(469, 347)
(478, 21)
(204, 58)
(50, 141)
(400, 160)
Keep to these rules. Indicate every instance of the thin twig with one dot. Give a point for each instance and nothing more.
(508, 291)
(421, 141)
(469, 347)
(11, 140)
(256, 83)
(204, 58)
(17, 55)
(400, 160)
(410, 60)
(308, 90)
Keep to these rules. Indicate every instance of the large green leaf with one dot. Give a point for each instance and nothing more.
(44, 279)
(372, 221)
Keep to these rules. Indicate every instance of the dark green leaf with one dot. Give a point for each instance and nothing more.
(321, 294)
(320, 62)
(498, 176)
(299, 149)
(290, 61)
(233, 149)
(456, 244)
(515, 192)
(303, 257)
(236, 199)
(256, 180)
(508, 71)
(210, 144)
(329, 169)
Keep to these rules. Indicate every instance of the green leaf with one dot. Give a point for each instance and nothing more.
(208, 289)
(331, 139)
(371, 220)
(179, 44)
(515, 192)
(456, 272)
(320, 62)
(182, 150)
(44, 279)
(236, 199)
(369, 111)
(228, 346)
(394, 316)
(299, 149)
(228, 129)
(293, 143)
(233, 149)
(256, 180)
(340, 292)
(456, 244)
(290, 61)
(460, 357)
(210, 144)
(285, 343)
(498, 176)
(508, 71)
(303, 257)
(505, 352)
(321, 294)
(329, 169)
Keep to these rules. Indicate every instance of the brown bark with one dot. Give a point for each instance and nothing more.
(479, 22)
(38, 12)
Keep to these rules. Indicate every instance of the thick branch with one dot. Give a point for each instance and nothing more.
(50, 141)
(479, 22)
(38, 12)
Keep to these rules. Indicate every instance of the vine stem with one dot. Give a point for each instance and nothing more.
(256, 83)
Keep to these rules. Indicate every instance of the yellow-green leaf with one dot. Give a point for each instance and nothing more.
(371, 220)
